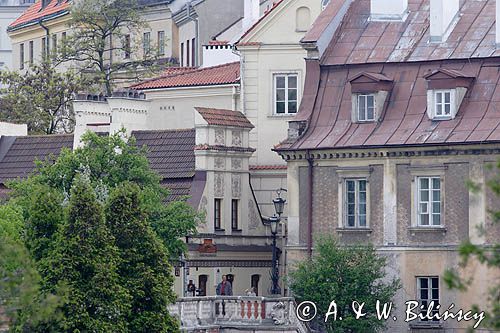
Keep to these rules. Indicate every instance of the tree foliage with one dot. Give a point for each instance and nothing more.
(41, 97)
(102, 32)
(486, 255)
(344, 274)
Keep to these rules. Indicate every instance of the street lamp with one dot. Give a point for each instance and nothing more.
(273, 222)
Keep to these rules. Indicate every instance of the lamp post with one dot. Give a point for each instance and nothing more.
(273, 222)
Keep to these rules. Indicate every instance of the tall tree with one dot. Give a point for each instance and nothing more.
(103, 32)
(344, 274)
(85, 259)
(41, 97)
(144, 268)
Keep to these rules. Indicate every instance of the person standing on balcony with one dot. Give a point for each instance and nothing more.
(224, 288)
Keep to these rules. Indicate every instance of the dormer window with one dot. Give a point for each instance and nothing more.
(369, 95)
(366, 107)
(446, 89)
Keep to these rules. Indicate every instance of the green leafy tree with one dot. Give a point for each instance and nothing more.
(103, 31)
(344, 273)
(41, 98)
(86, 260)
(486, 255)
(144, 268)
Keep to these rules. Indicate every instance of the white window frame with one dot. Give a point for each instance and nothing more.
(146, 43)
(443, 104)
(357, 214)
(275, 89)
(161, 42)
(429, 295)
(429, 203)
(358, 109)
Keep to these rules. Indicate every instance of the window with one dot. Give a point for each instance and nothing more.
(126, 47)
(324, 3)
(21, 56)
(202, 285)
(161, 43)
(366, 107)
(63, 41)
(429, 201)
(31, 52)
(254, 283)
(427, 292)
(187, 53)
(443, 103)
(193, 51)
(218, 214)
(44, 47)
(234, 214)
(146, 43)
(355, 203)
(182, 54)
(286, 93)
(54, 43)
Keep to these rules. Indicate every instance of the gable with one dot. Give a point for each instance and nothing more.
(286, 22)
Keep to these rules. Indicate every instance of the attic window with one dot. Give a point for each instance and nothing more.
(369, 95)
(446, 89)
(324, 3)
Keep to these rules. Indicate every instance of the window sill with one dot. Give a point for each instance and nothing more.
(425, 325)
(279, 116)
(220, 231)
(354, 230)
(237, 230)
(414, 230)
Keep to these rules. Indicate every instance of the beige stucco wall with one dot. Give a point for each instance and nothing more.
(174, 108)
(278, 51)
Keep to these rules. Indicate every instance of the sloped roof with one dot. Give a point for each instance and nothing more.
(405, 121)
(359, 40)
(208, 76)
(170, 154)
(35, 12)
(254, 26)
(221, 117)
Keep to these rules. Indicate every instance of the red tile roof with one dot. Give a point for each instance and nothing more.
(359, 40)
(216, 75)
(35, 12)
(221, 117)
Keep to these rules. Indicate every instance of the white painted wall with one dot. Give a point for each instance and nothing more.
(442, 14)
(214, 55)
(9, 129)
(383, 9)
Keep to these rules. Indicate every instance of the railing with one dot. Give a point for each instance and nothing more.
(270, 313)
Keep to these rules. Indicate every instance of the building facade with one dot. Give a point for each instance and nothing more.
(399, 112)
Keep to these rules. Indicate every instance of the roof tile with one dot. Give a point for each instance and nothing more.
(221, 117)
(35, 12)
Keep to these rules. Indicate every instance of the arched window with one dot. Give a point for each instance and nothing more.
(324, 3)
(303, 19)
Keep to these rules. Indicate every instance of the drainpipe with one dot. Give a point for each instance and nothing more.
(310, 162)
(47, 38)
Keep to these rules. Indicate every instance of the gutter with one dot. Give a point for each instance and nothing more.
(309, 203)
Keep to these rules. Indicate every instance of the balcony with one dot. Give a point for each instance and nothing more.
(270, 314)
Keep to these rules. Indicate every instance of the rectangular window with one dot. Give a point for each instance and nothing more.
(126, 47)
(218, 214)
(63, 42)
(355, 203)
(234, 214)
(31, 53)
(429, 201)
(182, 54)
(44, 47)
(427, 292)
(193, 51)
(161, 43)
(21, 56)
(443, 103)
(285, 93)
(146, 43)
(366, 107)
(187, 53)
(54, 43)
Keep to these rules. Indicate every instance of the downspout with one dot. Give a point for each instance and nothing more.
(310, 161)
(47, 38)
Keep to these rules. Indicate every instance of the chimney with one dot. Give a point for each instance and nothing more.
(385, 10)
(497, 35)
(251, 13)
(443, 18)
